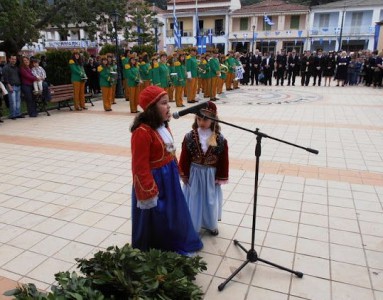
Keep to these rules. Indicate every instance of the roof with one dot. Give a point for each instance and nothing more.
(349, 3)
(272, 6)
(184, 2)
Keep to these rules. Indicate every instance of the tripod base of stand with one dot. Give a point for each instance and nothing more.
(252, 256)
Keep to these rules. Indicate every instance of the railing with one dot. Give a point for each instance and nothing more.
(347, 30)
(189, 33)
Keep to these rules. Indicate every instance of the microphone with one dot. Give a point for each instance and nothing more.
(191, 110)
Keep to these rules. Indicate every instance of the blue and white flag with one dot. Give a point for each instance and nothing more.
(177, 33)
(210, 36)
(268, 21)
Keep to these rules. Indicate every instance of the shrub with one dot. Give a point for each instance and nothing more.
(125, 273)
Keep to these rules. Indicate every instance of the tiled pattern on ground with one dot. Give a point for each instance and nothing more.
(65, 184)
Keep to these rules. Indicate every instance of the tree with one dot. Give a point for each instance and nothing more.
(139, 27)
(21, 21)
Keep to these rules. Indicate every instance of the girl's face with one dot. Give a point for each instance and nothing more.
(26, 61)
(163, 58)
(203, 123)
(35, 64)
(163, 108)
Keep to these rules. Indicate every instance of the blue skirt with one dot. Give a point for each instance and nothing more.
(203, 197)
(167, 226)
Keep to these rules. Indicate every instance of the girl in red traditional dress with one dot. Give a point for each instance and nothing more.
(160, 216)
(204, 166)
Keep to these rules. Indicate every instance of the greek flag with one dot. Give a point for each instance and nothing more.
(268, 21)
(177, 34)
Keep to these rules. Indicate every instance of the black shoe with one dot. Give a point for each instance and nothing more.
(21, 116)
(1, 121)
(214, 232)
(84, 108)
(13, 118)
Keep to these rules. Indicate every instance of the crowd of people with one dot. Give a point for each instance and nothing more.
(346, 68)
(185, 74)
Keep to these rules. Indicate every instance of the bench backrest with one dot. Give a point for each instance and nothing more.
(61, 92)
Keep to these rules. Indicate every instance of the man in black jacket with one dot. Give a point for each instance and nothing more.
(293, 63)
(319, 64)
(267, 68)
(281, 66)
(255, 63)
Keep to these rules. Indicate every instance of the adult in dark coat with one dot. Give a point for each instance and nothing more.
(281, 63)
(267, 68)
(341, 69)
(305, 62)
(255, 66)
(93, 82)
(329, 68)
(245, 61)
(293, 65)
(319, 64)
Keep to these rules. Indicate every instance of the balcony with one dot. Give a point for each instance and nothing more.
(347, 31)
(189, 33)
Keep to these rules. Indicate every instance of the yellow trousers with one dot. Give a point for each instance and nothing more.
(133, 98)
(79, 94)
(213, 85)
(192, 89)
(126, 91)
(179, 94)
(106, 97)
(229, 81)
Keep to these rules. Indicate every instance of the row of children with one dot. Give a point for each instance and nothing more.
(182, 74)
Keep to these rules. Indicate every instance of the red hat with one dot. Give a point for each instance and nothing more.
(150, 95)
(211, 109)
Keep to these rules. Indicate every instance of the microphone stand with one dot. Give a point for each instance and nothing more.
(252, 255)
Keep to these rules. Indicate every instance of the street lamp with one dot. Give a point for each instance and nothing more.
(235, 48)
(252, 47)
(155, 25)
(119, 92)
(341, 30)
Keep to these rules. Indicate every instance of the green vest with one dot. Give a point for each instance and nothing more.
(192, 66)
(132, 76)
(180, 69)
(77, 71)
(164, 75)
(154, 74)
(144, 71)
(104, 75)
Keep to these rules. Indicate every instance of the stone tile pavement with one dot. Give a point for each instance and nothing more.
(65, 184)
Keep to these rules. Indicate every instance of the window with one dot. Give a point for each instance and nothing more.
(356, 19)
(324, 20)
(294, 22)
(243, 23)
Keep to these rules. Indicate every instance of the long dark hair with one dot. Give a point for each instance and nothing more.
(214, 126)
(150, 117)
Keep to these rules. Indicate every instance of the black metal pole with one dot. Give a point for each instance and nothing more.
(341, 32)
(252, 48)
(156, 38)
(119, 91)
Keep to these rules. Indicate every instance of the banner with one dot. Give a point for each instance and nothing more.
(177, 33)
(210, 36)
(201, 44)
(376, 36)
(268, 20)
(300, 33)
(255, 35)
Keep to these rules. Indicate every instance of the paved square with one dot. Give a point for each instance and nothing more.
(65, 185)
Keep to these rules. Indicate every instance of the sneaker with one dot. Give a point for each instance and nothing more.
(35, 92)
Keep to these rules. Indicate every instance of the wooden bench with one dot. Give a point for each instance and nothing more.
(62, 95)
